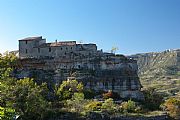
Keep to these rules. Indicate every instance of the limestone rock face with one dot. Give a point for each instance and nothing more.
(94, 68)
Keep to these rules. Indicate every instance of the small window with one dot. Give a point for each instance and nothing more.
(79, 66)
(26, 41)
(71, 48)
(66, 48)
(38, 50)
(65, 53)
(26, 51)
(61, 48)
(49, 49)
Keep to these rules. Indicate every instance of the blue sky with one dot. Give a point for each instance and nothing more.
(134, 26)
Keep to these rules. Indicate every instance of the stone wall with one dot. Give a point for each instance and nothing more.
(37, 47)
(26, 46)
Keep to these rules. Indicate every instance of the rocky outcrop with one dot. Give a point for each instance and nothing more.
(99, 74)
(64, 60)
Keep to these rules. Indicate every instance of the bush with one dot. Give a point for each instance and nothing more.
(93, 106)
(173, 107)
(130, 107)
(108, 105)
(76, 103)
(153, 100)
(6, 113)
(67, 89)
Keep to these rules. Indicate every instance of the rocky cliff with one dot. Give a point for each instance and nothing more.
(160, 70)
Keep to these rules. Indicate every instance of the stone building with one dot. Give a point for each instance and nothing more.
(96, 69)
(36, 47)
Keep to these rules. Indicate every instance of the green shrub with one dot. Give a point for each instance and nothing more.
(76, 103)
(153, 100)
(93, 106)
(128, 106)
(67, 89)
(6, 113)
(108, 105)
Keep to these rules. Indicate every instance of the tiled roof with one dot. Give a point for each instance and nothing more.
(31, 38)
(56, 44)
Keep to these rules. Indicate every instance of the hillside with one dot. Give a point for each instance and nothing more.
(160, 70)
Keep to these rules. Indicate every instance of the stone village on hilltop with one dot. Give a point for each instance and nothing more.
(96, 69)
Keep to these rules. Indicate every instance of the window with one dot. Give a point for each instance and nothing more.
(71, 48)
(66, 48)
(38, 50)
(26, 41)
(26, 51)
(49, 49)
(61, 48)
(79, 66)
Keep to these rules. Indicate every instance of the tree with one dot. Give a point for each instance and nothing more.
(67, 89)
(7, 113)
(27, 99)
(114, 49)
(76, 103)
(24, 97)
(7, 63)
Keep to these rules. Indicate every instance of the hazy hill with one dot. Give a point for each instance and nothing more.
(160, 70)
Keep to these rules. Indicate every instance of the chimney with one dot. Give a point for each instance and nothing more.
(56, 41)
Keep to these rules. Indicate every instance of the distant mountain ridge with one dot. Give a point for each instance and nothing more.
(166, 62)
(160, 70)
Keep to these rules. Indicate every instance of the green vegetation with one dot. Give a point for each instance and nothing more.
(28, 100)
(7, 113)
(129, 106)
(153, 100)
(67, 89)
